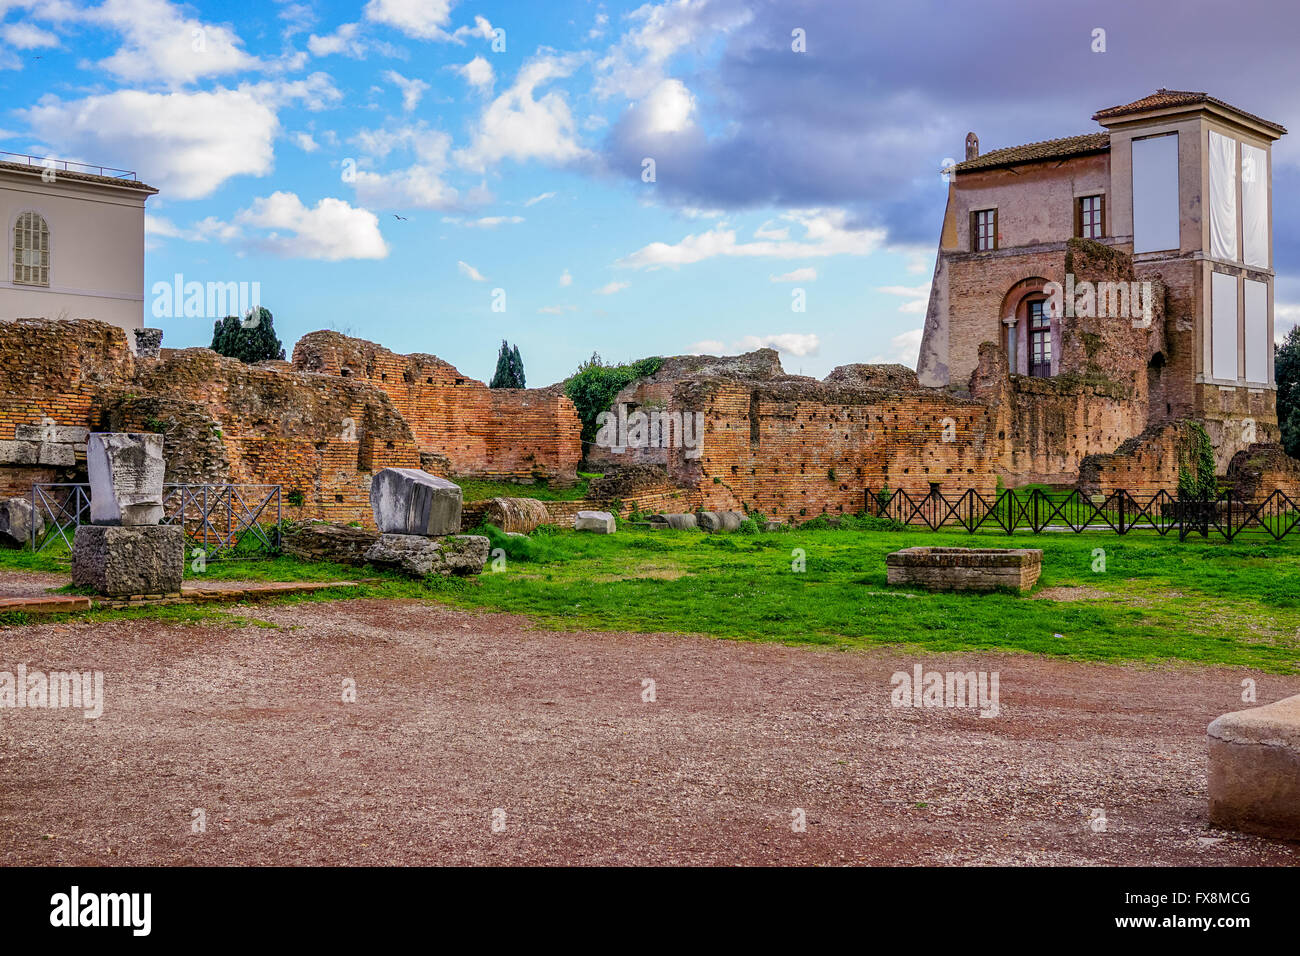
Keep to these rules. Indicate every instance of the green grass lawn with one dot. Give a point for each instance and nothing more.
(1208, 602)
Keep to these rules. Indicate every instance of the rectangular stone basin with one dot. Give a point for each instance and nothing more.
(965, 569)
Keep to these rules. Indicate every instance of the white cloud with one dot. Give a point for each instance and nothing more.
(808, 274)
(468, 270)
(611, 288)
(667, 109)
(566, 279)
(478, 73)
(637, 63)
(557, 309)
(305, 142)
(795, 343)
(541, 198)
(918, 296)
(486, 222)
(162, 45)
(412, 89)
(707, 347)
(825, 234)
(28, 36)
(346, 40)
(1285, 315)
(418, 186)
(162, 136)
(517, 126)
(331, 230)
(421, 19)
(904, 349)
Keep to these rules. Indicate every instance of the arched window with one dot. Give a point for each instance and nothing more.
(31, 250)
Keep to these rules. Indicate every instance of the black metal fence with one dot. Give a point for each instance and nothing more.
(217, 518)
(1121, 512)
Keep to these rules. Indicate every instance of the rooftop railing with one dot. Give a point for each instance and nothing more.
(67, 165)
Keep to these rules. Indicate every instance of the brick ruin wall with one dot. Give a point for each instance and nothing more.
(523, 435)
(223, 421)
(795, 448)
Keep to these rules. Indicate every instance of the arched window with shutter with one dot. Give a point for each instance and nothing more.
(31, 250)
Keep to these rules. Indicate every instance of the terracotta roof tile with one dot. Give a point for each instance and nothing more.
(1039, 152)
(1163, 99)
(81, 177)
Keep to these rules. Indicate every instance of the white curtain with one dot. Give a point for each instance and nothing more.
(1155, 194)
(1223, 197)
(1258, 347)
(1223, 327)
(1254, 204)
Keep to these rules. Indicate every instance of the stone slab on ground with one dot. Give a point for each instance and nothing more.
(410, 501)
(125, 471)
(1254, 779)
(419, 556)
(965, 569)
(16, 519)
(322, 541)
(120, 560)
(598, 522)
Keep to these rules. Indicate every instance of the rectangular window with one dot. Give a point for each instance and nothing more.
(1088, 217)
(984, 230)
(1223, 327)
(1040, 340)
(1223, 196)
(1155, 194)
(1259, 351)
(1254, 204)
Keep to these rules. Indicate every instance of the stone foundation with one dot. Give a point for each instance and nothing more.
(965, 569)
(127, 560)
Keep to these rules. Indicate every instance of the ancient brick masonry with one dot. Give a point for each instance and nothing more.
(517, 434)
(222, 420)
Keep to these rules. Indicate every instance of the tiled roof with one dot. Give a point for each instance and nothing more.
(1163, 99)
(1039, 152)
(80, 177)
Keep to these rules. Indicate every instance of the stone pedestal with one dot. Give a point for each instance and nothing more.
(117, 560)
(965, 569)
(410, 501)
(1254, 777)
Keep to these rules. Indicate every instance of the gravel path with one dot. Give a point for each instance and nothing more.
(462, 718)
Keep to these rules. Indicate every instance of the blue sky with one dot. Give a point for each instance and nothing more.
(286, 138)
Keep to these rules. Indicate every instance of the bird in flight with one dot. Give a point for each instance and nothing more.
(403, 218)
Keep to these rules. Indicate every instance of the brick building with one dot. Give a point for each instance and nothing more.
(1181, 182)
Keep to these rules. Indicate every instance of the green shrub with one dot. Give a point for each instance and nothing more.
(593, 386)
(748, 526)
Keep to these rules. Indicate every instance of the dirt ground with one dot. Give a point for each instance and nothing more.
(479, 739)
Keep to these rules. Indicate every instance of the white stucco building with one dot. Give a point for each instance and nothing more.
(75, 241)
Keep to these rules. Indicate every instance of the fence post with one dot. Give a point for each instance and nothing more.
(1121, 511)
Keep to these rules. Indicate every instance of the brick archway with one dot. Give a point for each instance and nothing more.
(1015, 306)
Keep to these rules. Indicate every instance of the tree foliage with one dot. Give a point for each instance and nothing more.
(251, 339)
(593, 386)
(1286, 367)
(510, 368)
